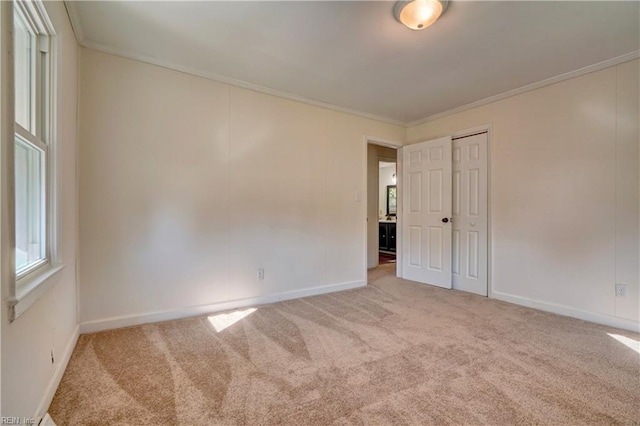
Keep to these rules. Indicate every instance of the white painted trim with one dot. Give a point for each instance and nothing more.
(32, 287)
(50, 392)
(47, 421)
(472, 131)
(399, 221)
(567, 311)
(489, 129)
(26, 290)
(74, 19)
(364, 207)
(28, 137)
(389, 143)
(82, 41)
(53, 166)
(76, 177)
(37, 15)
(237, 83)
(7, 257)
(533, 86)
(144, 318)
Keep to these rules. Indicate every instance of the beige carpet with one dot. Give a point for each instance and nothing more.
(393, 352)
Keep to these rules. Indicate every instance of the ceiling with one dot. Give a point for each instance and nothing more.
(355, 56)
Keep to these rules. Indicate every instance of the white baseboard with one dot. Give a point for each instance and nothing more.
(608, 320)
(50, 392)
(129, 320)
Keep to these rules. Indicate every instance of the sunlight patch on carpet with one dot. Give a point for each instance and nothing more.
(222, 321)
(630, 343)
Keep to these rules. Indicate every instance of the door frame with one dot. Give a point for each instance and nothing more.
(367, 139)
(374, 140)
(469, 132)
(424, 276)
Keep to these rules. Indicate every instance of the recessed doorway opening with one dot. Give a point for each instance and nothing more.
(383, 204)
(387, 211)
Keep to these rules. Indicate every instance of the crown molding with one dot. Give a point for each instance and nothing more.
(533, 86)
(74, 18)
(238, 83)
(82, 41)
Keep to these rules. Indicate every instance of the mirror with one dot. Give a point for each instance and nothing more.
(392, 200)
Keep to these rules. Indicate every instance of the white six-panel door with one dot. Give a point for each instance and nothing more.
(469, 251)
(427, 208)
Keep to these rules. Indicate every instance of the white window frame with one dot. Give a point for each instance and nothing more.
(35, 280)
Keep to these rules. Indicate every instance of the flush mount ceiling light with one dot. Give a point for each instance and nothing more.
(419, 14)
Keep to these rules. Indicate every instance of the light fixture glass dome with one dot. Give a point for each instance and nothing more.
(419, 14)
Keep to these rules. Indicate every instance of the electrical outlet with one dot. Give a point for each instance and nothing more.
(260, 273)
(621, 290)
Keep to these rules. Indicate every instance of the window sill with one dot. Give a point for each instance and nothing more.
(32, 287)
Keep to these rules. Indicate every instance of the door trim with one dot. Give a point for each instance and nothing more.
(374, 140)
(468, 132)
(367, 139)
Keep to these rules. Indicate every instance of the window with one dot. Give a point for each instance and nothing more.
(29, 202)
(34, 182)
(24, 39)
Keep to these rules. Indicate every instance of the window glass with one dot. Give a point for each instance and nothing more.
(24, 40)
(29, 201)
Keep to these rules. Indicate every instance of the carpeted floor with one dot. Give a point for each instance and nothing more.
(393, 352)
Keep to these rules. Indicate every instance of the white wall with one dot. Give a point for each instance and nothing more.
(386, 178)
(188, 186)
(29, 378)
(627, 187)
(564, 193)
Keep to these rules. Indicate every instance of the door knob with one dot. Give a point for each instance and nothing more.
(445, 219)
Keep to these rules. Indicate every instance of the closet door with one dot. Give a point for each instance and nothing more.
(470, 214)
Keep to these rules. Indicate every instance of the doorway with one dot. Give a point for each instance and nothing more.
(382, 205)
(445, 233)
(387, 211)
